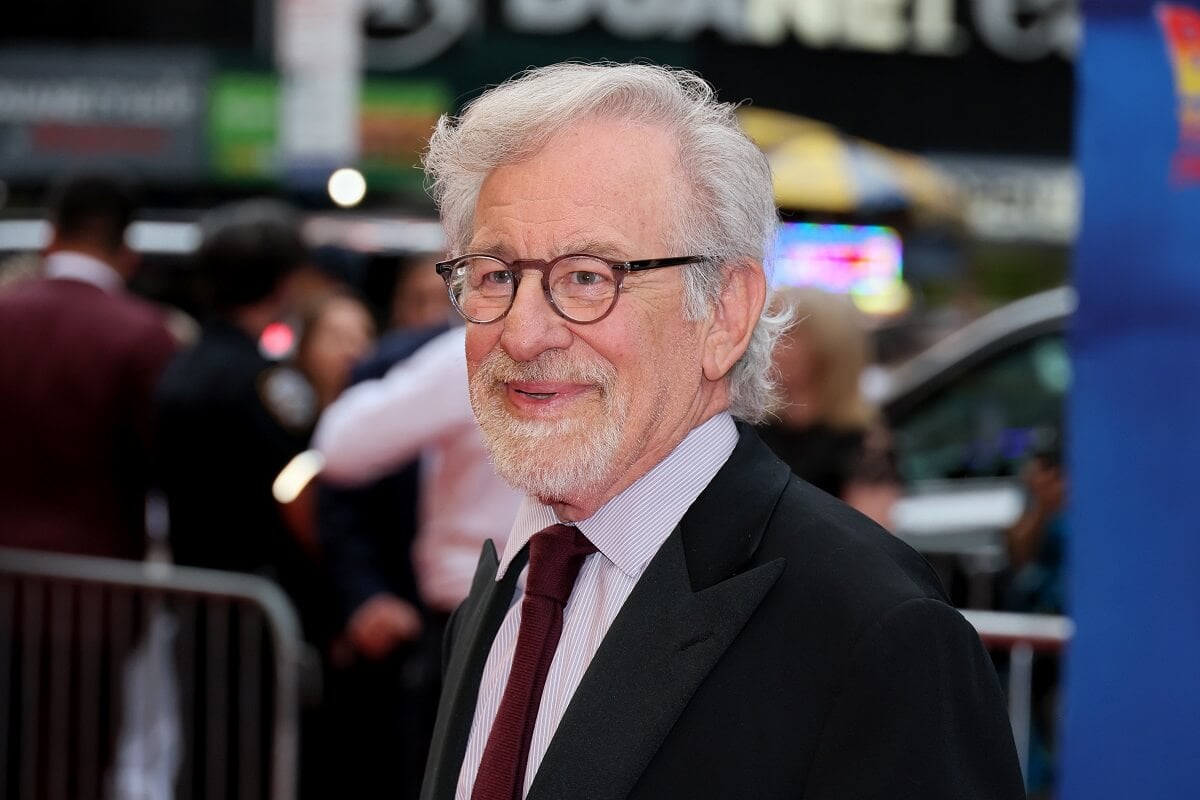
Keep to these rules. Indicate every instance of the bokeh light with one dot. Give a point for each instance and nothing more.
(347, 187)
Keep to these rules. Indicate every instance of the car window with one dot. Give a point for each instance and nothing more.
(984, 422)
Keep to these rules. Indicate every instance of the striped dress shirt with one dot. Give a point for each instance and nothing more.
(627, 532)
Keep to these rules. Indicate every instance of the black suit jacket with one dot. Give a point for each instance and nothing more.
(779, 645)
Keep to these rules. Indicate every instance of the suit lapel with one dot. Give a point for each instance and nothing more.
(474, 628)
(694, 598)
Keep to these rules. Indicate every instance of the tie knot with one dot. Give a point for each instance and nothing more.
(555, 557)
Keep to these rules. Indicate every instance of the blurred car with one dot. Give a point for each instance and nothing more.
(966, 415)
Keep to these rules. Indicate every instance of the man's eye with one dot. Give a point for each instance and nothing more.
(586, 278)
(498, 277)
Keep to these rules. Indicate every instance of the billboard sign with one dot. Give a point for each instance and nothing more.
(63, 108)
(394, 120)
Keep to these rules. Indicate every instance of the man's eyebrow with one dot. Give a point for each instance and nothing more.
(594, 247)
(489, 248)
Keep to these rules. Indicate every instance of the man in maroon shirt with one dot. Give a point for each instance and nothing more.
(79, 360)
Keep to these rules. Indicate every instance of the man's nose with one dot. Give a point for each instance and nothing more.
(532, 326)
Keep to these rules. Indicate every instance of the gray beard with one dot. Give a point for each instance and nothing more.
(548, 459)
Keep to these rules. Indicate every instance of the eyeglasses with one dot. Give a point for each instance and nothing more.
(581, 288)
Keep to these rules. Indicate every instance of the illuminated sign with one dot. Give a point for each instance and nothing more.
(406, 33)
(863, 261)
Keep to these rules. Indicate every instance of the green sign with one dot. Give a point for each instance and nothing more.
(243, 127)
(395, 120)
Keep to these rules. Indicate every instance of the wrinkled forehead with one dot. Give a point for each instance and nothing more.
(600, 186)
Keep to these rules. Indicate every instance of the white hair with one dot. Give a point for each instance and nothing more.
(727, 211)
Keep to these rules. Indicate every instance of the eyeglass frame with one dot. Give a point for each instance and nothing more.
(518, 266)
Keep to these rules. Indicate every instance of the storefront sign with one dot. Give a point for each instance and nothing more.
(66, 109)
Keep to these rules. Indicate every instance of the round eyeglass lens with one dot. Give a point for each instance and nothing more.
(583, 287)
(481, 287)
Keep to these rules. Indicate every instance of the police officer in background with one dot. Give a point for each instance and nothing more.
(229, 418)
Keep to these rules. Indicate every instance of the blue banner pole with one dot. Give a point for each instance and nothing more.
(1132, 726)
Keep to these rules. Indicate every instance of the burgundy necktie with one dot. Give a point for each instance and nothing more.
(555, 556)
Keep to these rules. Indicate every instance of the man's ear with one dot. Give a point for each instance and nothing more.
(736, 313)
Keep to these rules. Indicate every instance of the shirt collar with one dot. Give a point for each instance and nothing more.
(630, 528)
(79, 267)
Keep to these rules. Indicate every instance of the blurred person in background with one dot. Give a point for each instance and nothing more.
(422, 407)
(336, 332)
(79, 360)
(418, 309)
(1037, 541)
(229, 418)
(419, 299)
(366, 529)
(402, 556)
(363, 526)
(825, 429)
(381, 689)
(1037, 584)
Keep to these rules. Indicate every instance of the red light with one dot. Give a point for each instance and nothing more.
(277, 340)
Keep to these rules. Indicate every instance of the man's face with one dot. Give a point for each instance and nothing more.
(575, 413)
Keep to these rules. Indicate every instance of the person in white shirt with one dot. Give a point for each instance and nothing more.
(674, 615)
(422, 408)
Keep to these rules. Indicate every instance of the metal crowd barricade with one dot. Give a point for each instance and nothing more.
(206, 662)
(1021, 635)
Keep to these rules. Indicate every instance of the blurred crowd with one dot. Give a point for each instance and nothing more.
(113, 404)
(110, 400)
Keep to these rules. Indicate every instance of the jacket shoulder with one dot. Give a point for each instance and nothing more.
(857, 570)
(72, 316)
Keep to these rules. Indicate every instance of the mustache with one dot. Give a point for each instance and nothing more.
(550, 366)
